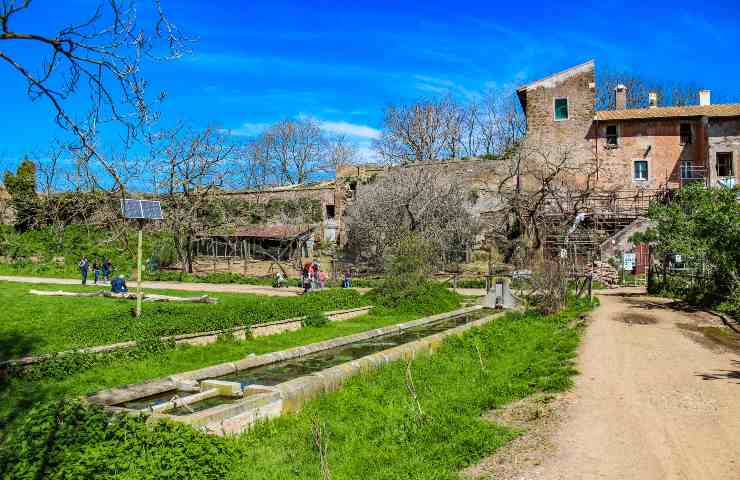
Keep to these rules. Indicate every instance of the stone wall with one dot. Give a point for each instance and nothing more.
(538, 100)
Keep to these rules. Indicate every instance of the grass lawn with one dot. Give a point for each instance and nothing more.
(372, 428)
(35, 324)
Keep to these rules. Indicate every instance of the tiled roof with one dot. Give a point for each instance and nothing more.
(720, 110)
(268, 231)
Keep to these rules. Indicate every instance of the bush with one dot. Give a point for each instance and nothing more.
(426, 298)
(70, 439)
(315, 319)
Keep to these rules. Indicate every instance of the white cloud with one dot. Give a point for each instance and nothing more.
(349, 129)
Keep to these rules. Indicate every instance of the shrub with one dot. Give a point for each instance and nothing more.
(315, 319)
(70, 439)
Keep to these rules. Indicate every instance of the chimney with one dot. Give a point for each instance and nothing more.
(652, 99)
(705, 97)
(620, 97)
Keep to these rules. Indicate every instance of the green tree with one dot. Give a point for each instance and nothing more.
(703, 225)
(22, 190)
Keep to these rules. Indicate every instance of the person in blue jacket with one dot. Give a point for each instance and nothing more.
(118, 285)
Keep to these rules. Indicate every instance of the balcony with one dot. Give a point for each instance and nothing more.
(692, 174)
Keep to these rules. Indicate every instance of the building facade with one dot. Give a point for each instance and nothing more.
(638, 148)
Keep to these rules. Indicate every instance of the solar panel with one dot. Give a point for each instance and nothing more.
(141, 209)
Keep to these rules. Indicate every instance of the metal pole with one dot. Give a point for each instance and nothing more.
(138, 273)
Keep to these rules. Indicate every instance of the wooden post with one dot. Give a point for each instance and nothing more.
(138, 271)
(590, 287)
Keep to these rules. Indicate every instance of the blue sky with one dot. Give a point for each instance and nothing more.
(343, 62)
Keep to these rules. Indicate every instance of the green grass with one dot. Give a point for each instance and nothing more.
(372, 425)
(18, 393)
(37, 324)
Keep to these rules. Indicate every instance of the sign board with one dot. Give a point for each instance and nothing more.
(141, 209)
(677, 258)
(629, 260)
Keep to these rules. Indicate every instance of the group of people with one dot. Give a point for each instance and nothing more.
(104, 268)
(312, 277)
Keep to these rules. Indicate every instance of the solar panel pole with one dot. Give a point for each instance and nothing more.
(138, 270)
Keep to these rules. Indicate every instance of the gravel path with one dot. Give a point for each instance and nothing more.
(203, 287)
(653, 400)
(190, 287)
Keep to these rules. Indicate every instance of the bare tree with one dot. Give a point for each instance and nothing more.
(415, 133)
(99, 58)
(189, 177)
(501, 124)
(538, 182)
(342, 151)
(409, 201)
(670, 93)
(295, 150)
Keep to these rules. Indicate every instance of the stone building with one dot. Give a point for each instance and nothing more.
(639, 153)
(648, 148)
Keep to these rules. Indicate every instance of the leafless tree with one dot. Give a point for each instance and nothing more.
(191, 170)
(501, 123)
(99, 58)
(342, 151)
(415, 201)
(536, 184)
(670, 93)
(415, 133)
(296, 150)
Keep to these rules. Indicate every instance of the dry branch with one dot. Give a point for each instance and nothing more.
(128, 296)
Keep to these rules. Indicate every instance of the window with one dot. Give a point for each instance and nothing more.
(685, 133)
(330, 212)
(561, 109)
(612, 138)
(641, 170)
(724, 165)
(687, 170)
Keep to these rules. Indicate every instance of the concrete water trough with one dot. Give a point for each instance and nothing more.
(229, 397)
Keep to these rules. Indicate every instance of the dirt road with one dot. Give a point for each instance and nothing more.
(654, 400)
(204, 287)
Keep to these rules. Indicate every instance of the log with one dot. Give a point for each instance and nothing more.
(150, 297)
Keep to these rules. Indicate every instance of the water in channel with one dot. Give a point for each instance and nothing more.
(279, 372)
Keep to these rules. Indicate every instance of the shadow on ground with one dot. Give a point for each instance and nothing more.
(723, 374)
(16, 345)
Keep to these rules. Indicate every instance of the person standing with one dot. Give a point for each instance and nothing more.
(322, 279)
(96, 270)
(106, 270)
(347, 283)
(84, 265)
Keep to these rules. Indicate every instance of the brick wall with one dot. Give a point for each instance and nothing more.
(658, 142)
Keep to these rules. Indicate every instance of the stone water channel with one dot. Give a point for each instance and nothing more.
(230, 402)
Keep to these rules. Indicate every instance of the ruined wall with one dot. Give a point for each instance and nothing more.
(723, 136)
(324, 194)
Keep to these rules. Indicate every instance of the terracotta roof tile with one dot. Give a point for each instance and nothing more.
(720, 110)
